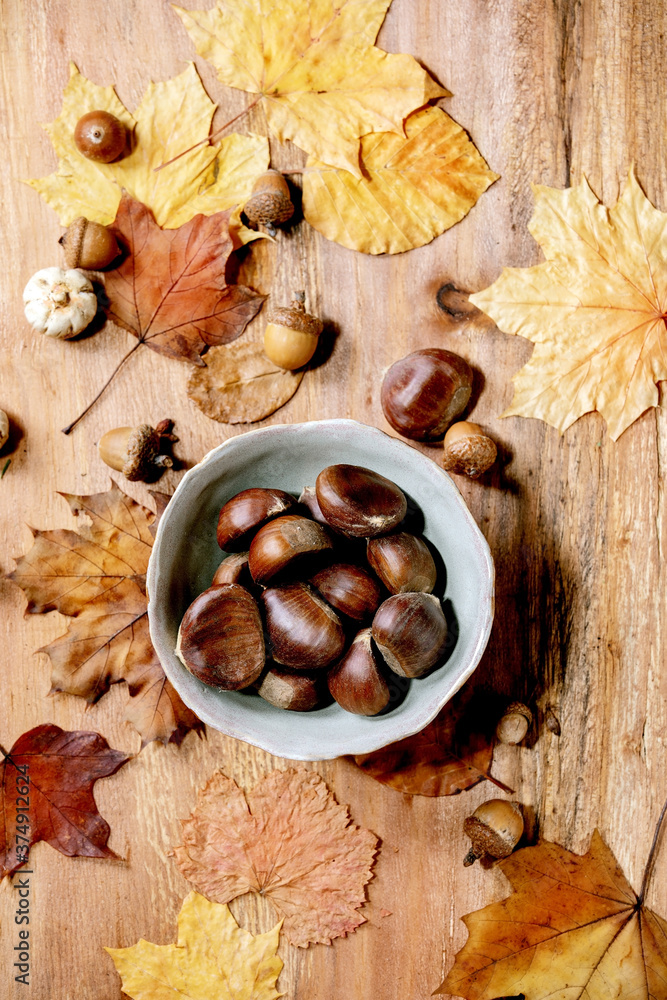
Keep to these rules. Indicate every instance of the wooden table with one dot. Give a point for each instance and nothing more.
(576, 523)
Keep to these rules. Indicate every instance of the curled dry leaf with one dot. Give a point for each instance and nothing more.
(213, 958)
(239, 385)
(172, 117)
(97, 576)
(453, 753)
(596, 309)
(573, 927)
(47, 783)
(287, 839)
(321, 81)
(413, 187)
(170, 291)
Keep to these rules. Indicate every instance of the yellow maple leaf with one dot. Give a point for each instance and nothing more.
(413, 188)
(214, 957)
(596, 309)
(321, 80)
(172, 117)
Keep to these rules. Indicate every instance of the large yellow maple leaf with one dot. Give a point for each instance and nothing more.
(214, 957)
(172, 117)
(413, 188)
(596, 309)
(321, 80)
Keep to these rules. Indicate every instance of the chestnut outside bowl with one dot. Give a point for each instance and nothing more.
(290, 456)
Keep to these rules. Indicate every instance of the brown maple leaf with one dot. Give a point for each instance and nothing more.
(288, 839)
(453, 753)
(170, 290)
(573, 928)
(97, 576)
(47, 794)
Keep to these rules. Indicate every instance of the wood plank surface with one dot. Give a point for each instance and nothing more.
(548, 89)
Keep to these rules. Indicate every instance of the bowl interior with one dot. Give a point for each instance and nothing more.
(186, 555)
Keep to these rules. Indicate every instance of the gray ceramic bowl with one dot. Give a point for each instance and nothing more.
(185, 556)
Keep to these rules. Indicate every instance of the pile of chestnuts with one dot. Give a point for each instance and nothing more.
(325, 597)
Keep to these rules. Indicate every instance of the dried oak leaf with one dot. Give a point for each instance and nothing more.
(321, 81)
(453, 753)
(413, 187)
(97, 576)
(170, 289)
(573, 928)
(239, 385)
(172, 117)
(59, 770)
(287, 839)
(596, 309)
(213, 957)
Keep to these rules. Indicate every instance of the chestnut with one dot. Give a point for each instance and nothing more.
(280, 544)
(309, 500)
(403, 562)
(295, 692)
(349, 589)
(424, 392)
(241, 516)
(358, 501)
(356, 681)
(232, 569)
(221, 640)
(411, 633)
(305, 633)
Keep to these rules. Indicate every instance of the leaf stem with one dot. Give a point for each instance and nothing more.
(70, 427)
(648, 870)
(210, 138)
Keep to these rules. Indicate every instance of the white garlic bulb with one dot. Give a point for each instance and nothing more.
(59, 303)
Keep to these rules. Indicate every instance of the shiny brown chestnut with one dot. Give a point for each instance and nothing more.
(309, 500)
(410, 631)
(358, 501)
(424, 392)
(305, 633)
(356, 682)
(246, 512)
(282, 544)
(295, 692)
(221, 640)
(349, 589)
(232, 569)
(403, 562)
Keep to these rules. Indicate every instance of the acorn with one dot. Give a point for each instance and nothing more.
(135, 451)
(468, 451)
(291, 335)
(100, 136)
(514, 724)
(495, 828)
(269, 203)
(89, 245)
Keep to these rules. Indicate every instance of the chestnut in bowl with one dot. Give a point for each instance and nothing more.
(186, 555)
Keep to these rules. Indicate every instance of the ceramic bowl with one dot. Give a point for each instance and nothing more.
(185, 556)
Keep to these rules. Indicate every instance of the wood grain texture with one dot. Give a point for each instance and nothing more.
(548, 89)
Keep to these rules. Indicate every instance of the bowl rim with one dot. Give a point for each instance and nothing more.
(173, 671)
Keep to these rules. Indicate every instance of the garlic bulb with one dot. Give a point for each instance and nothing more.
(59, 303)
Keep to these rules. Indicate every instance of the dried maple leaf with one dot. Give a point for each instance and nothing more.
(213, 957)
(239, 385)
(97, 576)
(47, 779)
(453, 753)
(573, 928)
(596, 309)
(172, 117)
(413, 187)
(170, 290)
(287, 839)
(321, 81)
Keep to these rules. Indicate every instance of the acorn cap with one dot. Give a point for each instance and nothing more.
(143, 453)
(296, 318)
